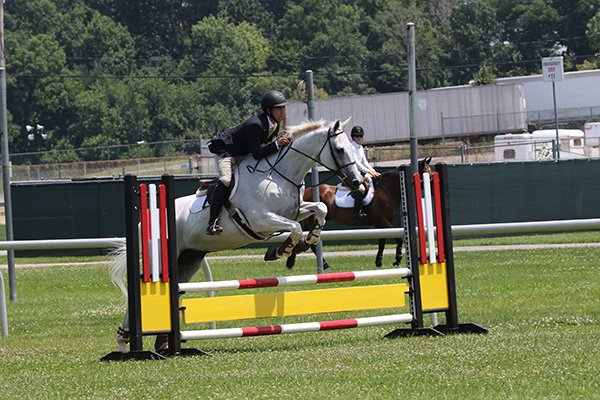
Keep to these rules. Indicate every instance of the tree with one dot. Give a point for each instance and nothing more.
(474, 31)
(529, 28)
(593, 32)
(574, 18)
(161, 28)
(327, 39)
(485, 76)
(388, 38)
(94, 43)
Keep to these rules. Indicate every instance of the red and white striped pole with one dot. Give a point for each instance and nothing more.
(296, 328)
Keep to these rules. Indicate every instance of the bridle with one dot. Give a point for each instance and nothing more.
(338, 166)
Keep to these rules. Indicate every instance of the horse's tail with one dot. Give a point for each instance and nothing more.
(118, 269)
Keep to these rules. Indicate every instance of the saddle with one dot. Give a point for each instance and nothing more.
(366, 183)
(207, 186)
(344, 198)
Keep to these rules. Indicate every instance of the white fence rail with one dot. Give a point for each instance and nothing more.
(353, 234)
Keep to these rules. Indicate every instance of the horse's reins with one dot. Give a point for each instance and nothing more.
(289, 147)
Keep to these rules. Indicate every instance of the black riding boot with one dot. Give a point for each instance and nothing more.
(358, 199)
(216, 203)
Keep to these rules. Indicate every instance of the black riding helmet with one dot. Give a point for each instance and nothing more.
(357, 131)
(272, 99)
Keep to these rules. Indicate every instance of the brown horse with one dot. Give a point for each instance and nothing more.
(381, 212)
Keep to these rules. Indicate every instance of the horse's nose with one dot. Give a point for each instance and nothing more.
(355, 184)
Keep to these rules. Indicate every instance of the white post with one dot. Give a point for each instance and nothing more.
(429, 218)
(210, 293)
(154, 234)
(3, 314)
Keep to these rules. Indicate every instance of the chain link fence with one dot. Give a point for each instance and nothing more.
(380, 157)
(202, 165)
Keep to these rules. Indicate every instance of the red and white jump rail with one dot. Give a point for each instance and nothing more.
(296, 328)
(294, 280)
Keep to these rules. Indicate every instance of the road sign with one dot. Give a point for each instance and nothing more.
(552, 69)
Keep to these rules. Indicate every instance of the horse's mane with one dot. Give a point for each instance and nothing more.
(304, 127)
(392, 173)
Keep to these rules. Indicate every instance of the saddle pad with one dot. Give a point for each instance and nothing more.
(344, 199)
(198, 204)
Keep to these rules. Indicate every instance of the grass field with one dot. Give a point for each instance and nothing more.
(542, 309)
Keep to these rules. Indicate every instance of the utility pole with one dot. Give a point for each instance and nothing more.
(315, 171)
(412, 102)
(12, 283)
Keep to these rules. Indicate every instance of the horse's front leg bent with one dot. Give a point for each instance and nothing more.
(319, 211)
(273, 223)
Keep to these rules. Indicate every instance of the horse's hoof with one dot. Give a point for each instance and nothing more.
(326, 266)
(290, 262)
(161, 342)
(271, 254)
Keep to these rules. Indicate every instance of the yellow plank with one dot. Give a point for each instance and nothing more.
(318, 301)
(434, 286)
(156, 306)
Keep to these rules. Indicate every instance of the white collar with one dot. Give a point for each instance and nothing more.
(271, 124)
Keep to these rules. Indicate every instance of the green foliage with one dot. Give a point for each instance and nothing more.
(102, 72)
(593, 32)
(485, 76)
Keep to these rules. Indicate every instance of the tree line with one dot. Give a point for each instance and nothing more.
(97, 73)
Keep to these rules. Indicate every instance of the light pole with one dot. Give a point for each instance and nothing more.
(32, 131)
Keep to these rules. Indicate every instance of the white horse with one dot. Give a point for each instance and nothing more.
(269, 196)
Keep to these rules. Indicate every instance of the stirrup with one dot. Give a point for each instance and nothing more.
(214, 228)
(359, 216)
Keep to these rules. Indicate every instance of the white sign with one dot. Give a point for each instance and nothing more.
(552, 69)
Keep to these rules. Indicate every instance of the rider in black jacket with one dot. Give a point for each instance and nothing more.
(256, 136)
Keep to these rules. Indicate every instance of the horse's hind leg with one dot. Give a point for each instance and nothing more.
(325, 265)
(399, 242)
(379, 256)
(123, 333)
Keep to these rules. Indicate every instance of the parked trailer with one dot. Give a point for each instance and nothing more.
(539, 145)
(576, 96)
(592, 134)
(449, 112)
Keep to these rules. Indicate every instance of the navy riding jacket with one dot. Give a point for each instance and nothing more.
(249, 137)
